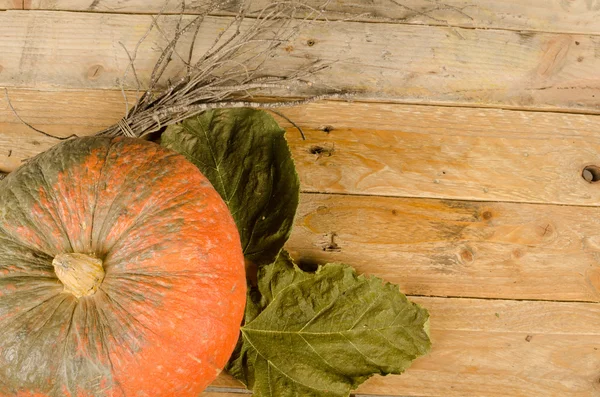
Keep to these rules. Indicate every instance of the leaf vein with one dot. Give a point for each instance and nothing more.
(269, 362)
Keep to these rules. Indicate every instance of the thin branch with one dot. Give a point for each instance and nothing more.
(137, 81)
(29, 125)
(289, 121)
(132, 62)
(236, 104)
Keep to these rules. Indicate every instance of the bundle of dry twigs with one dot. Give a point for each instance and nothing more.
(230, 73)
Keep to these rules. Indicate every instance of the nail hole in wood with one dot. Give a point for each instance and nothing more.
(316, 150)
(591, 173)
(310, 42)
(321, 151)
(332, 246)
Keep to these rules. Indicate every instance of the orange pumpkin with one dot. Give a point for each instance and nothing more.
(121, 274)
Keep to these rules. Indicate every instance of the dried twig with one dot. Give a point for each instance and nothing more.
(29, 125)
(278, 113)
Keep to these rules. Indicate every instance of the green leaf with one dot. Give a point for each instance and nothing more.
(244, 154)
(323, 334)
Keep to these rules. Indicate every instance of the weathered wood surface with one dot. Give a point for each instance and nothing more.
(394, 62)
(429, 247)
(454, 248)
(582, 16)
(484, 348)
(374, 148)
(458, 153)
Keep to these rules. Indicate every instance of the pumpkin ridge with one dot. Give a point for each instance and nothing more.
(148, 160)
(93, 246)
(113, 145)
(66, 342)
(48, 190)
(39, 304)
(101, 323)
(122, 309)
(147, 217)
(27, 244)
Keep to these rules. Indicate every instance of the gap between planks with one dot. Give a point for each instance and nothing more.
(537, 15)
(320, 19)
(399, 196)
(371, 21)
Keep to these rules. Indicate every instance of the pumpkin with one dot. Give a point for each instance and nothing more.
(121, 273)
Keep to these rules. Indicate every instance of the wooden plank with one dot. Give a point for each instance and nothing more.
(454, 248)
(375, 148)
(383, 61)
(458, 153)
(487, 348)
(541, 15)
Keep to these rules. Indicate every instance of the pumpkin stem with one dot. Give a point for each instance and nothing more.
(81, 274)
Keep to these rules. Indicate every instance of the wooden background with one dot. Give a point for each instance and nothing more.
(457, 172)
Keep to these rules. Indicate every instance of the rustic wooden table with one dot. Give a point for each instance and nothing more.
(457, 174)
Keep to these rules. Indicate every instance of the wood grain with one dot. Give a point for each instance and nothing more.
(556, 16)
(390, 62)
(456, 248)
(374, 148)
(484, 348)
(458, 153)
